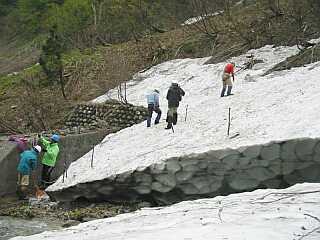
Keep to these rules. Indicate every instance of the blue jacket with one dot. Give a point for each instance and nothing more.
(28, 162)
(153, 98)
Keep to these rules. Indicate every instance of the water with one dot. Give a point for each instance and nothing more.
(12, 227)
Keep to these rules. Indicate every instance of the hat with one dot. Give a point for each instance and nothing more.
(37, 148)
(55, 138)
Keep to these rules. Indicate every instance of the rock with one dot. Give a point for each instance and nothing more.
(260, 173)
(276, 168)
(218, 169)
(144, 178)
(143, 189)
(270, 152)
(251, 151)
(123, 177)
(188, 162)
(317, 148)
(304, 149)
(183, 176)
(260, 163)
(156, 186)
(288, 167)
(173, 166)
(243, 182)
(70, 223)
(88, 219)
(189, 189)
(202, 184)
(203, 164)
(221, 154)
(166, 179)
(231, 161)
(191, 168)
(157, 168)
(288, 151)
(144, 205)
(244, 161)
(272, 183)
(311, 173)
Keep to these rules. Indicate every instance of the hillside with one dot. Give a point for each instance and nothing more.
(264, 108)
(90, 70)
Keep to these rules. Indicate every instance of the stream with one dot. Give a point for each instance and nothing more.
(12, 227)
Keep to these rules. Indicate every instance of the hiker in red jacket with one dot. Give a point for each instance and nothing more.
(226, 79)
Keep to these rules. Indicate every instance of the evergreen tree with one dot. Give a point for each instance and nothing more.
(51, 59)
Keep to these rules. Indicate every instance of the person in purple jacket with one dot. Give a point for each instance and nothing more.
(22, 143)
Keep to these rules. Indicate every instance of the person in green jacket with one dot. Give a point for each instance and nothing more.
(51, 151)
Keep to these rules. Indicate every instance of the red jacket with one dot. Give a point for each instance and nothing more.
(229, 69)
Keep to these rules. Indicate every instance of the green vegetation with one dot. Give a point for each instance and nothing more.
(100, 44)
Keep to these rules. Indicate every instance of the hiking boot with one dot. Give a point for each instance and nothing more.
(169, 126)
(156, 122)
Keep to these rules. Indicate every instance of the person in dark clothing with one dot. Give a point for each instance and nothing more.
(153, 106)
(174, 96)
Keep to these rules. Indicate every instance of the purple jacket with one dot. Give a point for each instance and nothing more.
(22, 143)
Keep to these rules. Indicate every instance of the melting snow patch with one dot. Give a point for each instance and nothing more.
(293, 213)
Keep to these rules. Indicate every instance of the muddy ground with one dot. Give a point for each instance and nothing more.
(67, 213)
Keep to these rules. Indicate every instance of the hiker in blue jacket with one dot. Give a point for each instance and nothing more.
(153, 106)
(26, 167)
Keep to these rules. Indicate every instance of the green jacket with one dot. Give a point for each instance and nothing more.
(51, 153)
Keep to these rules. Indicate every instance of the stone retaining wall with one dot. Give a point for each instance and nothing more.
(109, 115)
(9, 158)
(273, 165)
(72, 147)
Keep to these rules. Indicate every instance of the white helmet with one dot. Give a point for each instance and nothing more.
(37, 148)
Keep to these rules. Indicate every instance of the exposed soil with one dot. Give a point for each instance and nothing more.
(68, 214)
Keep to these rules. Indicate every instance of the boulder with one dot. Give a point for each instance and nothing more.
(173, 166)
(260, 173)
(288, 151)
(304, 149)
(158, 187)
(183, 176)
(189, 189)
(270, 152)
(166, 179)
(251, 151)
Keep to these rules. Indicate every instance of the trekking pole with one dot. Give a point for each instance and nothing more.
(92, 156)
(185, 119)
(229, 121)
(172, 128)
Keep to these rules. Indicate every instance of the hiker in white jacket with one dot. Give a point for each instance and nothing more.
(153, 106)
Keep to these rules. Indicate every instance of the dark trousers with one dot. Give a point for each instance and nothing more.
(46, 173)
(151, 109)
(224, 90)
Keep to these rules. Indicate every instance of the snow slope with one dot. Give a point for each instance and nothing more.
(264, 108)
(262, 214)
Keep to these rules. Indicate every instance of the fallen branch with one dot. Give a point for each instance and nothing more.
(309, 233)
(314, 217)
